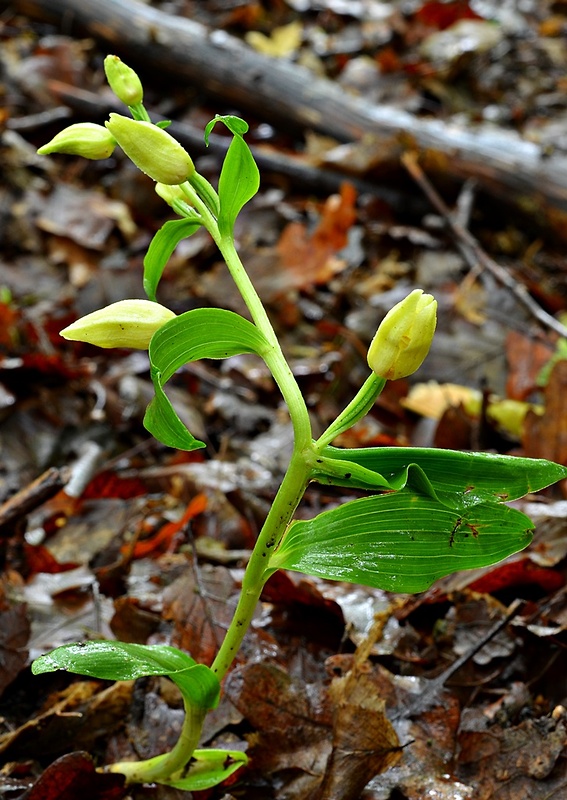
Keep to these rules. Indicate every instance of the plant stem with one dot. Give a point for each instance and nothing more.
(275, 358)
(161, 768)
(283, 508)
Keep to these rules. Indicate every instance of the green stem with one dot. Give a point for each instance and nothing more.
(281, 513)
(275, 358)
(161, 768)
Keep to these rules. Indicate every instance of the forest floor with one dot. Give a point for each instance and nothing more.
(104, 532)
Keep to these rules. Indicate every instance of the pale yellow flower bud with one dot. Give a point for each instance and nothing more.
(170, 193)
(123, 81)
(83, 139)
(127, 323)
(404, 337)
(153, 150)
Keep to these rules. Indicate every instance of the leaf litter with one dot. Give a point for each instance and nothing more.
(339, 692)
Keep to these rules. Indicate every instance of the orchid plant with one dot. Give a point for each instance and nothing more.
(426, 512)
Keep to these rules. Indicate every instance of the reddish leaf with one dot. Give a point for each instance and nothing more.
(9, 318)
(441, 15)
(162, 540)
(74, 776)
(546, 436)
(520, 572)
(108, 484)
(311, 258)
(526, 356)
(39, 559)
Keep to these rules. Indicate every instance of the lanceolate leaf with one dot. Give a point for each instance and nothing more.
(121, 661)
(401, 542)
(201, 333)
(161, 247)
(458, 477)
(239, 179)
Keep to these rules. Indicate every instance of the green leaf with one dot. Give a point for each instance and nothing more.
(236, 125)
(161, 247)
(401, 542)
(336, 471)
(208, 768)
(458, 478)
(122, 661)
(201, 333)
(239, 179)
(238, 183)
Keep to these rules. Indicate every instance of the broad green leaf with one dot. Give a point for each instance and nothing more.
(122, 661)
(208, 768)
(113, 661)
(201, 333)
(401, 542)
(473, 477)
(161, 247)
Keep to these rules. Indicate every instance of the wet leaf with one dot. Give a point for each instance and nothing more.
(123, 661)
(401, 542)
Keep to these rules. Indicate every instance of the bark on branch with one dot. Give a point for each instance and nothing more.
(281, 92)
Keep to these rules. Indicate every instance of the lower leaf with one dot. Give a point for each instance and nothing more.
(401, 542)
(208, 768)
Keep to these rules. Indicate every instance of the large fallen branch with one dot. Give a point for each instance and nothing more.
(282, 92)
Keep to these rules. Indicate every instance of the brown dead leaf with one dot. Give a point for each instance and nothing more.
(79, 716)
(198, 604)
(14, 635)
(288, 711)
(546, 436)
(526, 357)
(364, 741)
(312, 258)
(520, 763)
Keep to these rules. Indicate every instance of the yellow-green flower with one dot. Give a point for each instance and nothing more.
(83, 139)
(153, 150)
(404, 337)
(127, 323)
(123, 81)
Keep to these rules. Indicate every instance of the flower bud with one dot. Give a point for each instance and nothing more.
(404, 337)
(83, 139)
(127, 323)
(153, 150)
(123, 81)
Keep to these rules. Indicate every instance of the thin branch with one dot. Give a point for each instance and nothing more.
(473, 252)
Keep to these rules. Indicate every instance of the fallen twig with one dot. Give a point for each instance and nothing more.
(220, 65)
(473, 252)
(428, 696)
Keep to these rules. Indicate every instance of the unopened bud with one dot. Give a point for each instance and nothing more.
(404, 337)
(174, 197)
(83, 139)
(123, 81)
(127, 323)
(153, 150)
